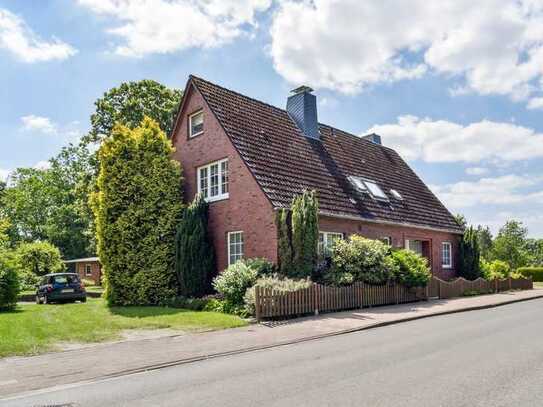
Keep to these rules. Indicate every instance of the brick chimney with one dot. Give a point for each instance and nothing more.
(302, 108)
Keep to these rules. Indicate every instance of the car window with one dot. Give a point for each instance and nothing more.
(60, 279)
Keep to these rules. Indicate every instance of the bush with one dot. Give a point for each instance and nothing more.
(262, 266)
(37, 259)
(535, 272)
(194, 255)
(495, 269)
(226, 307)
(9, 281)
(360, 259)
(193, 304)
(413, 269)
(275, 282)
(137, 207)
(470, 256)
(233, 282)
(305, 234)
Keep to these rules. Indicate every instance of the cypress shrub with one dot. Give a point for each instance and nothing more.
(305, 234)
(137, 207)
(470, 267)
(194, 255)
(284, 242)
(9, 280)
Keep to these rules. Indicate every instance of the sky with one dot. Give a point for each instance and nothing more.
(455, 86)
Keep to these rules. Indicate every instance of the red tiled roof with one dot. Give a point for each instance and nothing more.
(284, 163)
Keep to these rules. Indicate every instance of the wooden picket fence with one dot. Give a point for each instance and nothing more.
(320, 298)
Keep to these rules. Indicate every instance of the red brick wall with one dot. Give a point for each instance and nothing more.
(96, 273)
(399, 235)
(247, 209)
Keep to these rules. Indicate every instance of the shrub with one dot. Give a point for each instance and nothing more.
(495, 269)
(193, 304)
(275, 282)
(470, 255)
(535, 272)
(9, 281)
(284, 244)
(226, 307)
(413, 269)
(37, 259)
(233, 282)
(194, 255)
(262, 266)
(137, 207)
(360, 259)
(305, 235)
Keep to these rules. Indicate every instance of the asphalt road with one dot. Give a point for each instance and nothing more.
(491, 357)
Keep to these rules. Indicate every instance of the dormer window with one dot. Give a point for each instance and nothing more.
(196, 123)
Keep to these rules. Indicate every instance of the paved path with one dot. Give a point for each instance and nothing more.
(491, 357)
(22, 374)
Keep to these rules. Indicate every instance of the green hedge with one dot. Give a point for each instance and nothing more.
(535, 272)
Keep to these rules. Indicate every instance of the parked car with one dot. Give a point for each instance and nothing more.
(60, 287)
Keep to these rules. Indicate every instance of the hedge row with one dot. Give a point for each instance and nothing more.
(535, 272)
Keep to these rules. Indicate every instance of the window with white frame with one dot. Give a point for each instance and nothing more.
(213, 181)
(88, 270)
(326, 242)
(371, 187)
(196, 123)
(387, 240)
(414, 246)
(235, 246)
(446, 254)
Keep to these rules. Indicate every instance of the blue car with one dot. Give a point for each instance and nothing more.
(60, 287)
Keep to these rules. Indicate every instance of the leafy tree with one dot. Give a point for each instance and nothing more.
(51, 204)
(137, 207)
(37, 259)
(510, 245)
(484, 239)
(461, 220)
(534, 247)
(413, 269)
(129, 103)
(470, 255)
(9, 280)
(284, 242)
(194, 255)
(305, 234)
(4, 234)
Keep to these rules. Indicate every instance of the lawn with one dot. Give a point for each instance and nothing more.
(32, 329)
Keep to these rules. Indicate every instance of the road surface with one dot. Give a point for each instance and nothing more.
(490, 357)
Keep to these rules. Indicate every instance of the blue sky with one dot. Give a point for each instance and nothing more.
(456, 89)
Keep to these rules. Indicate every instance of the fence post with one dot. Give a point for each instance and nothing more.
(257, 302)
(510, 284)
(496, 285)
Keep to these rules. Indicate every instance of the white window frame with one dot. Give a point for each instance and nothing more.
(229, 248)
(387, 240)
(322, 248)
(88, 267)
(449, 264)
(199, 112)
(366, 185)
(408, 245)
(222, 184)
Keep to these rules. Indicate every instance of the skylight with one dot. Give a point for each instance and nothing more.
(375, 190)
(358, 183)
(396, 194)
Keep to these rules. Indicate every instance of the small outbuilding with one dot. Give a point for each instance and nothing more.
(88, 268)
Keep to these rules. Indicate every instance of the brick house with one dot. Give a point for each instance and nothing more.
(250, 159)
(88, 268)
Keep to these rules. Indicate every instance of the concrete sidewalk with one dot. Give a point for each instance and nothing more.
(23, 374)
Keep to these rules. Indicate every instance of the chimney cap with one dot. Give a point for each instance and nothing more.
(301, 89)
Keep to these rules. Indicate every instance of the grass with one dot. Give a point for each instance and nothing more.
(32, 329)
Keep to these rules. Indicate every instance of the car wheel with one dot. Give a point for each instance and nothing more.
(38, 301)
(84, 299)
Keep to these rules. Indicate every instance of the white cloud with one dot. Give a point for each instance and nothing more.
(444, 141)
(495, 46)
(476, 171)
(535, 103)
(42, 165)
(504, 190)
(21, 41)
(38, 124)
(161, 26)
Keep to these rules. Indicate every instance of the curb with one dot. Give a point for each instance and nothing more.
(199, 358)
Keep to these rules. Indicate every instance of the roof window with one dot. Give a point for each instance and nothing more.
(364, 185)
(396, 194)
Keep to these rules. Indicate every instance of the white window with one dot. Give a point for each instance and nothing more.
(396, 194)
(446, 255)
(196, 123)
(88, 270)
(414, 246)
(387, 240)
(326, 242)
(213, 181)
(235, 247)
